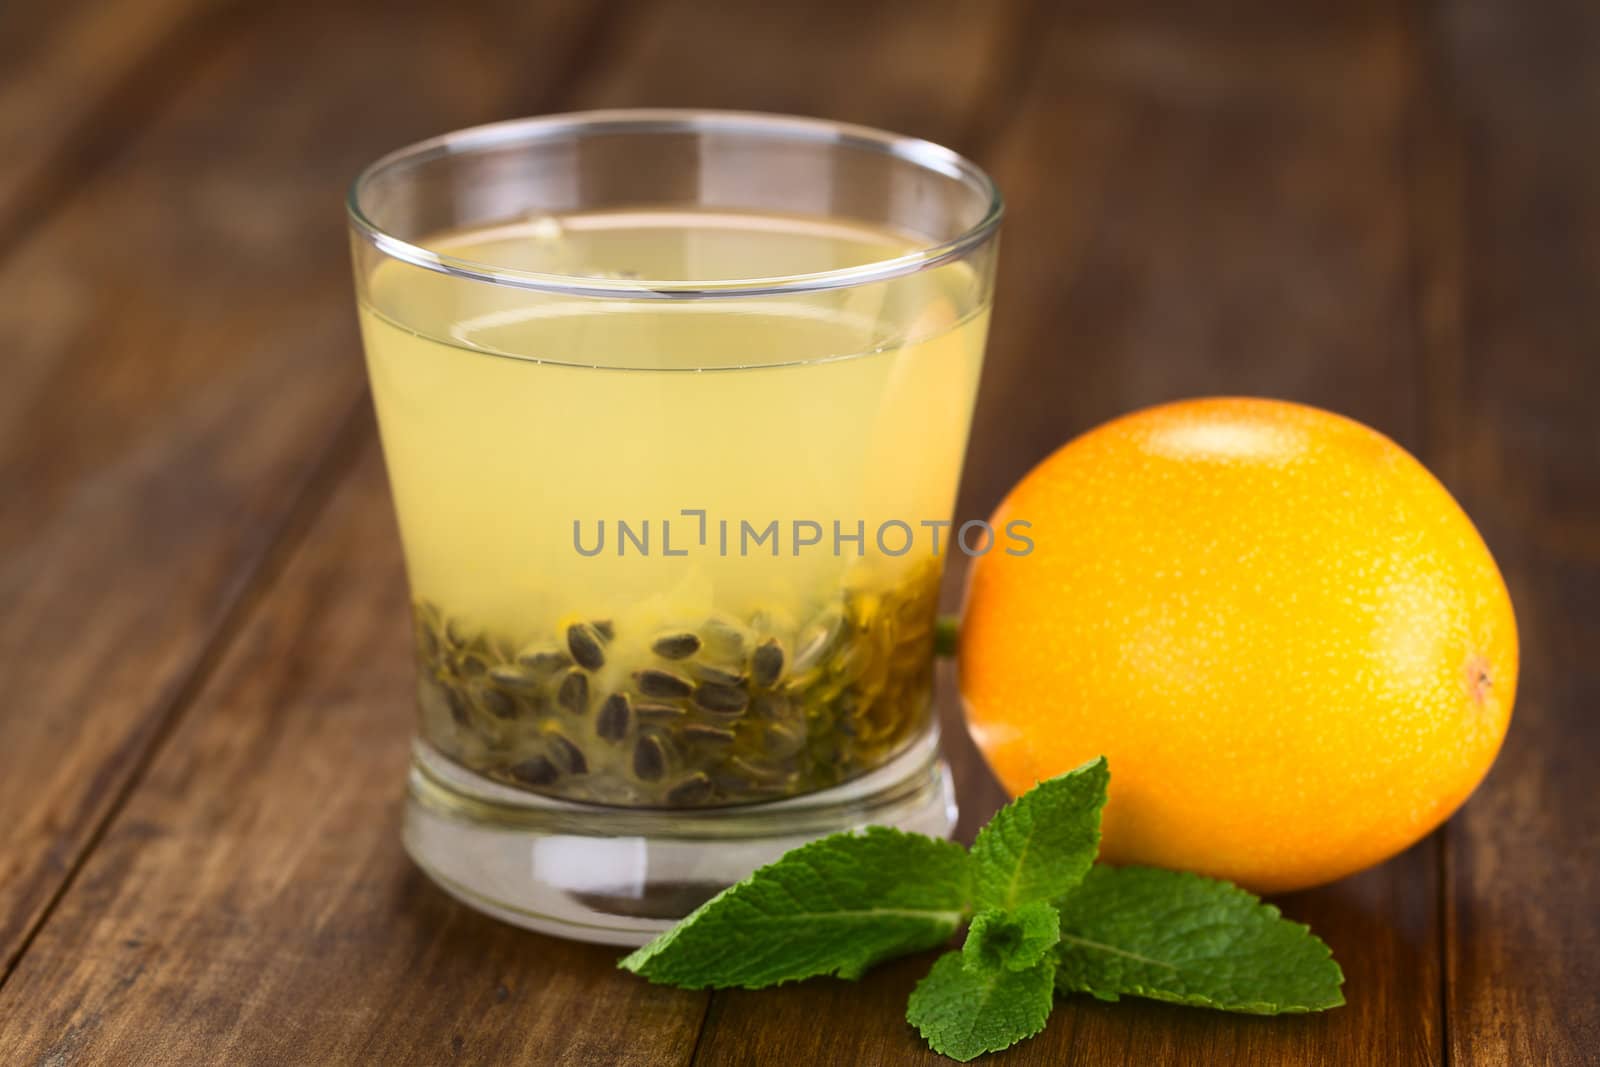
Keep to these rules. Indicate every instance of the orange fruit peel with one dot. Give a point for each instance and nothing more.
(1285, 635)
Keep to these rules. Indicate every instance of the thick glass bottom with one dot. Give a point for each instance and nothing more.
(619, 876)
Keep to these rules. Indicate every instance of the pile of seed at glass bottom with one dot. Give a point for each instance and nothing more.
(720, 713)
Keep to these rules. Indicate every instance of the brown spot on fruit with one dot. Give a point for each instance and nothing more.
(1479, 680)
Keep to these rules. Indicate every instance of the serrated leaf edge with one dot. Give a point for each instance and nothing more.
(1010, 900)
(1200, 1000)
(929, 1038)
(637, 961)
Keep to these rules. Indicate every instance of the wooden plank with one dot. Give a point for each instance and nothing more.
(74, 75)
(222, 849)
(1222, 208)
(938, 69)
(1509, 196)
(1196, 206)
(1199, 206)
(252, 904)
(180, 354)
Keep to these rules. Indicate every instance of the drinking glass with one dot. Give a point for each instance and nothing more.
(674, 406)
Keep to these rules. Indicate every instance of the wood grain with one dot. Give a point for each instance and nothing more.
(82, 989)
(76, 77)
(180, 355)
(1202, 206)
(1383, 208)
(1200, 211)
(252, 903)
(1233, 218)
(939, 69)
(1517, 352)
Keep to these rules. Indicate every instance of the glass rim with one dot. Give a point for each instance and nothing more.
(922, 153)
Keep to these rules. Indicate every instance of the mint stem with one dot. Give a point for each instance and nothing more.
(946, 635)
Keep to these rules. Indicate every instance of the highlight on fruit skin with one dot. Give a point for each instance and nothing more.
(1281, 630)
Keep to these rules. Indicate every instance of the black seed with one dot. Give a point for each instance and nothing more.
(662, 684)
(821, 702)
(694, 789)
(496, 702)
(766, 663)
(658, 712)
(723, 698)
(649, 759)
(568, 756)
(535, 771)
(716, 675)
(699, 731)
(676, 646)
(544, 661)
(512, 677)
(615, 716)
(573, 695)
(584, 644)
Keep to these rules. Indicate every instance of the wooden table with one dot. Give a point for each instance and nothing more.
(1386, 209)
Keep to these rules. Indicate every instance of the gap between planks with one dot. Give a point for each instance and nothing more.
(1436, 247)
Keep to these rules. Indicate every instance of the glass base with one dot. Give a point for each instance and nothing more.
(620, 876)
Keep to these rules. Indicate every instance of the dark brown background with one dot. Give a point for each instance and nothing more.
(1385, 208)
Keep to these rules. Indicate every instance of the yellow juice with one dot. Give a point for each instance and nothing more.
(673, 552)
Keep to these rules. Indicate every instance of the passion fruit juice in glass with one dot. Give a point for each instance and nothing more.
(674, 407)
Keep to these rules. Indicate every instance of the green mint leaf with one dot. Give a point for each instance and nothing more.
(1040, 845)
(1014, 940)
(834, 906)
(963, 1013)
(1189, 940)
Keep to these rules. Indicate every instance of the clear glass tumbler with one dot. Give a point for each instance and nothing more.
(674, 406)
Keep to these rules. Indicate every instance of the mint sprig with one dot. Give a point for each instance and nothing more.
(1045, 920)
